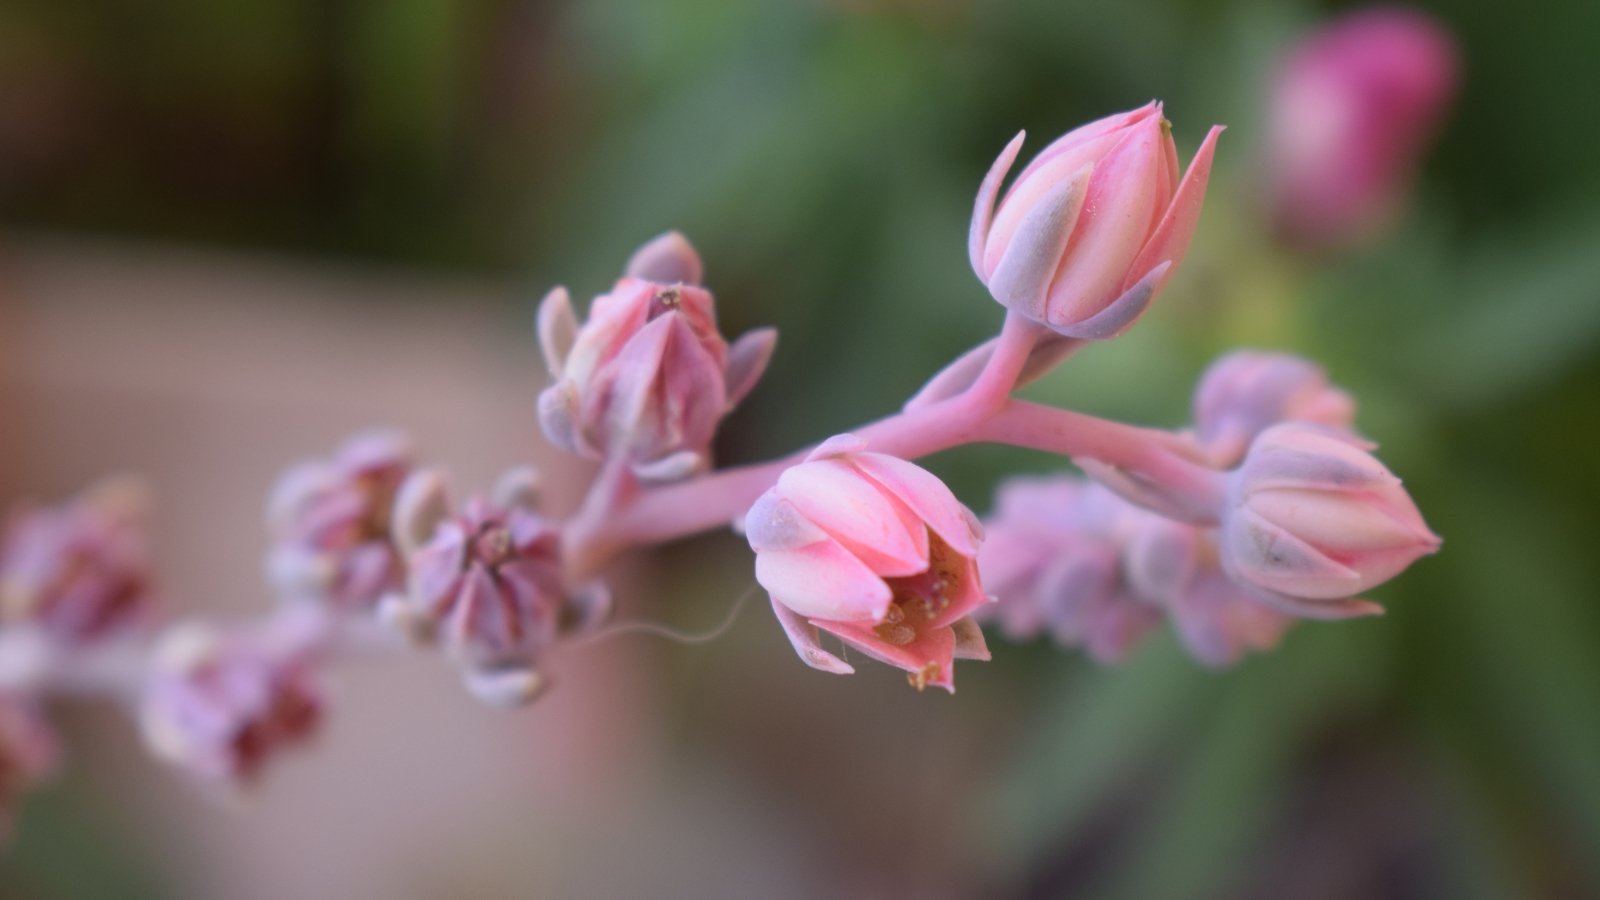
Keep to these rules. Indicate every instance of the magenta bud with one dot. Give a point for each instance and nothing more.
(876, 551)
(1247, 391)
(1094, 226)
(330, 525)
(1312, 519)
(223, 704)
(29, 752)
(79, 572)
(1355, 105)
(648, 377)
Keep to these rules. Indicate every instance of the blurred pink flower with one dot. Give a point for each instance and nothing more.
(487, 583)
(223, 703)
(80, 571)
(1244, 392)
(1069, 558)
(1093, 227)
(1355, 105)
(648, 377)
(1219, 622)
(1053, 560)
(329, 521)
(28, 753)
(875, 551)
(1312, 519)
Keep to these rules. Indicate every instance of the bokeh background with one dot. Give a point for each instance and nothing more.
(233, 232)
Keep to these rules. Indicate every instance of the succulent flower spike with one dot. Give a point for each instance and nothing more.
(648, 377)
(1094, 226)
(875, 551)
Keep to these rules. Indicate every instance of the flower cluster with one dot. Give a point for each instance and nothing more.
(1269, 509)
(1307, 520)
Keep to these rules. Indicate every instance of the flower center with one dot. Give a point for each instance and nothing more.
(665, 300)
(920, 598)
(493, 544)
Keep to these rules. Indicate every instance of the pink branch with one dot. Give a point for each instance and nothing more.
(981, 414)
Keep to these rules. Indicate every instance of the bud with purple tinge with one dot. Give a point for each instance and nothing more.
(647, 377)
(1094, 226)
(79, 572)
(330, 525)
(1312, 519)
(28, 753)
(486, 582)
(222, 704)
(1355, 105)
(1247, 391)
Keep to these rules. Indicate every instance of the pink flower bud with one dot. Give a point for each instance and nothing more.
(1355, 105)
(28, 754)
(1312, 519)
(81, 571)
(1247, 391)
(648, 377)
(330, 525)
(877, 552)
(222, 704)
(487, 583)
(1094, 226)
(1053, 559)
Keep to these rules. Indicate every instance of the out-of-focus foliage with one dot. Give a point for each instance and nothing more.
(823, 155)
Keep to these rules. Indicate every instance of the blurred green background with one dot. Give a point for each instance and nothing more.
(823, 155)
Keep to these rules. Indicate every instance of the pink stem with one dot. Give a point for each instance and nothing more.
(983, 413)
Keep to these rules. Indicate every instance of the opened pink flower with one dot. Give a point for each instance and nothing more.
(875, 551)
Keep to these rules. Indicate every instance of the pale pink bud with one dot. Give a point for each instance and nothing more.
(79, 571)
(487, 583)
(1355, 105)
(329, 521)
(876, 551)
(28, 754)
(1247, 391)
(648, 377)
(1053, 559)
(1312, 519)
(1094, 226)
(223, 704)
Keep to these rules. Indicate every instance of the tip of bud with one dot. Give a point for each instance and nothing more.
(666, 259)
(506, 687)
